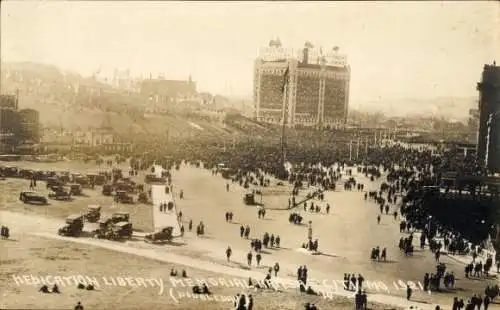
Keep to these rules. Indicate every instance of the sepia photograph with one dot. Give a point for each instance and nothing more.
(250, 155)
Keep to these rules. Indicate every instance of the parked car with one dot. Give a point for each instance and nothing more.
(249, 199)
(153, 179)
(121, 230)
(54, 182)
(103, 232)
(32, 197)
(93, 213)
(82, 180)
(164, 235)
(125, 187)
(76, 189)
(107, 189)
(123, 197)
(96, 179)
(73, 227)
(60, 193)
(120, 217)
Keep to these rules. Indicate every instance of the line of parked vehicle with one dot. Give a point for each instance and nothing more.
(117, 227)
(65, 184)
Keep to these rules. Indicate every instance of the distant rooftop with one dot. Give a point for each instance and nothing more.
(308, 54)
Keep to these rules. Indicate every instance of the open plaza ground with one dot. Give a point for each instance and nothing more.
(346, 236)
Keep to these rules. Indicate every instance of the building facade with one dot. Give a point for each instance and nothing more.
(94, 137)
(492, 157)
(9, 123)
(488, 143)
(101, 139)
(8, 101)
(168, 91)
(316, 89)
(30, 130)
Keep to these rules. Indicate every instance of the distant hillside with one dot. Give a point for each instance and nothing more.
(456, 108)
(448, 107)
(52, 92)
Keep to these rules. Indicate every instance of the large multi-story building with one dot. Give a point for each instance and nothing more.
(492, 157)
(310, 86)
(30, 131)
(17, 127)
(9, 123)
(488, 142)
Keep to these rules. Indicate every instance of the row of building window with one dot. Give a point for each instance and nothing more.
(314, 74)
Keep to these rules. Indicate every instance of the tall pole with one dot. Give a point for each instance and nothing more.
(357, 150)
(284, 118)
(283, 159)
(366, 147)
(350, 150)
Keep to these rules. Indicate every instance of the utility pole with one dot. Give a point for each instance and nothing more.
(357, 150)
(350, 150)
(285, 115)
(366, 147)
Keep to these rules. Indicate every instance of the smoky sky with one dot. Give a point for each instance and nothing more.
(396, 50)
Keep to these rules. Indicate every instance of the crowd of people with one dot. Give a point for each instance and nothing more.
(412, 176)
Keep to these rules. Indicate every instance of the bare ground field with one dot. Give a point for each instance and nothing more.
(141, 214)
(206, 199)
(37, 256)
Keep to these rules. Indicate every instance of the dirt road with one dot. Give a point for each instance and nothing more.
(42, 227)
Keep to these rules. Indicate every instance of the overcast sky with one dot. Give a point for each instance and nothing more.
(396, 50)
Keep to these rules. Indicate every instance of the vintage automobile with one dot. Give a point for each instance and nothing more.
(164, 235)
(42, 175)
(249, 199)
(123, 197)
(82, 180)
(93, 213)
(121, 230)
(10, 172)
(60, 193)
(73, 227)
(64, 176)
(26, 173)
(96, 179)
(107, 189)
(76, 189)
(54, 182)
(124, 186)
(104, 231)
(120, 217)
(32, 197)
(151, 178)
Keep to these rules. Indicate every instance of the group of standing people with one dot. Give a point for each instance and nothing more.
(5, 233)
